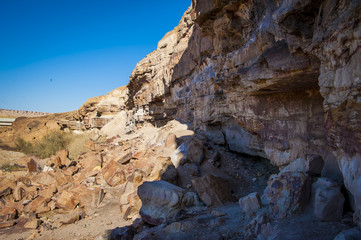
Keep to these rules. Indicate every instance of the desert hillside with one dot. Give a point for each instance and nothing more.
(244, 123)
(19, 113)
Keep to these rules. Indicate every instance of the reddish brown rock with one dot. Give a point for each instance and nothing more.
(144, 165)
(7, 224)
(32, 223)
(64, 157)
(90, 145)
(54, 162)
(39, 203)
(86, 174)
(124, 157)
(114, 174)
(31, 192)
(212, 190)
(5, 184)
(137, 176)
(48, 192)
(44, 178)
(19, 191)
(89, 197)
(8, 213)
(67, 201)
(132, 207)
(90, 160)
(139, 155)
(60, 178)
(6, 192)
(33, 166)
(69, 218)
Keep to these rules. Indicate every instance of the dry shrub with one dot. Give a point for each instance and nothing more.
(76, 145)
(45, 147)
(12, 167)
(23, 146)
(52, 142)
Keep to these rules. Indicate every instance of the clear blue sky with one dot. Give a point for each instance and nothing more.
(55, 54)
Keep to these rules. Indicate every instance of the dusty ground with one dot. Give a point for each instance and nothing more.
(9, 157)
(7, 160)
(105, 218)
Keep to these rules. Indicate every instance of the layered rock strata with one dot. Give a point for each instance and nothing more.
(276, 79)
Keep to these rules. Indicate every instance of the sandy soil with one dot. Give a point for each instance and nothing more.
(105, 218)
(9, 157)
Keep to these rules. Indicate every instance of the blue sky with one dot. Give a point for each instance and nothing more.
(55, 54)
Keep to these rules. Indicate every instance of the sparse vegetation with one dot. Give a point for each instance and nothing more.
(11, 167)
(52, 142)
(44, 147)
(23, 146)
(76, 145)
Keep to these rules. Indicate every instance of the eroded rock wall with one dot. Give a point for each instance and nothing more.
(276, 79)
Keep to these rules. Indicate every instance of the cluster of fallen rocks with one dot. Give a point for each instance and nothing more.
(57, 191)
(169, 211)
(171, 182)
(200, 199)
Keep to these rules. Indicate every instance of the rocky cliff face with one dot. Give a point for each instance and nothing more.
(269, 78)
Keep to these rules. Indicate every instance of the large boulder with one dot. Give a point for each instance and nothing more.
(287, 192)
(328, 201)
(189, 151)
(350, 234)
(212, 190)
(242, 141)
(124, 233)
(161, 201)
(250, 203)
(311, 164)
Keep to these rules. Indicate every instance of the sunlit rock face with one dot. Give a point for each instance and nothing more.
(96, 112)
(269, 78)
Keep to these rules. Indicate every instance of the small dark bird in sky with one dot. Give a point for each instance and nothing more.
(51, 79)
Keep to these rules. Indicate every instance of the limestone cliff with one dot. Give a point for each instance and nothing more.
(270, 78)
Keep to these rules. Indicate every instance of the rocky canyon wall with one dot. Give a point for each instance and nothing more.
(269, 78)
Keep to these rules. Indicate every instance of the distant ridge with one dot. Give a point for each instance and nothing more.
(20, 113)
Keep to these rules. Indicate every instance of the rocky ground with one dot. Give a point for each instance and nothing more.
(161, 183)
